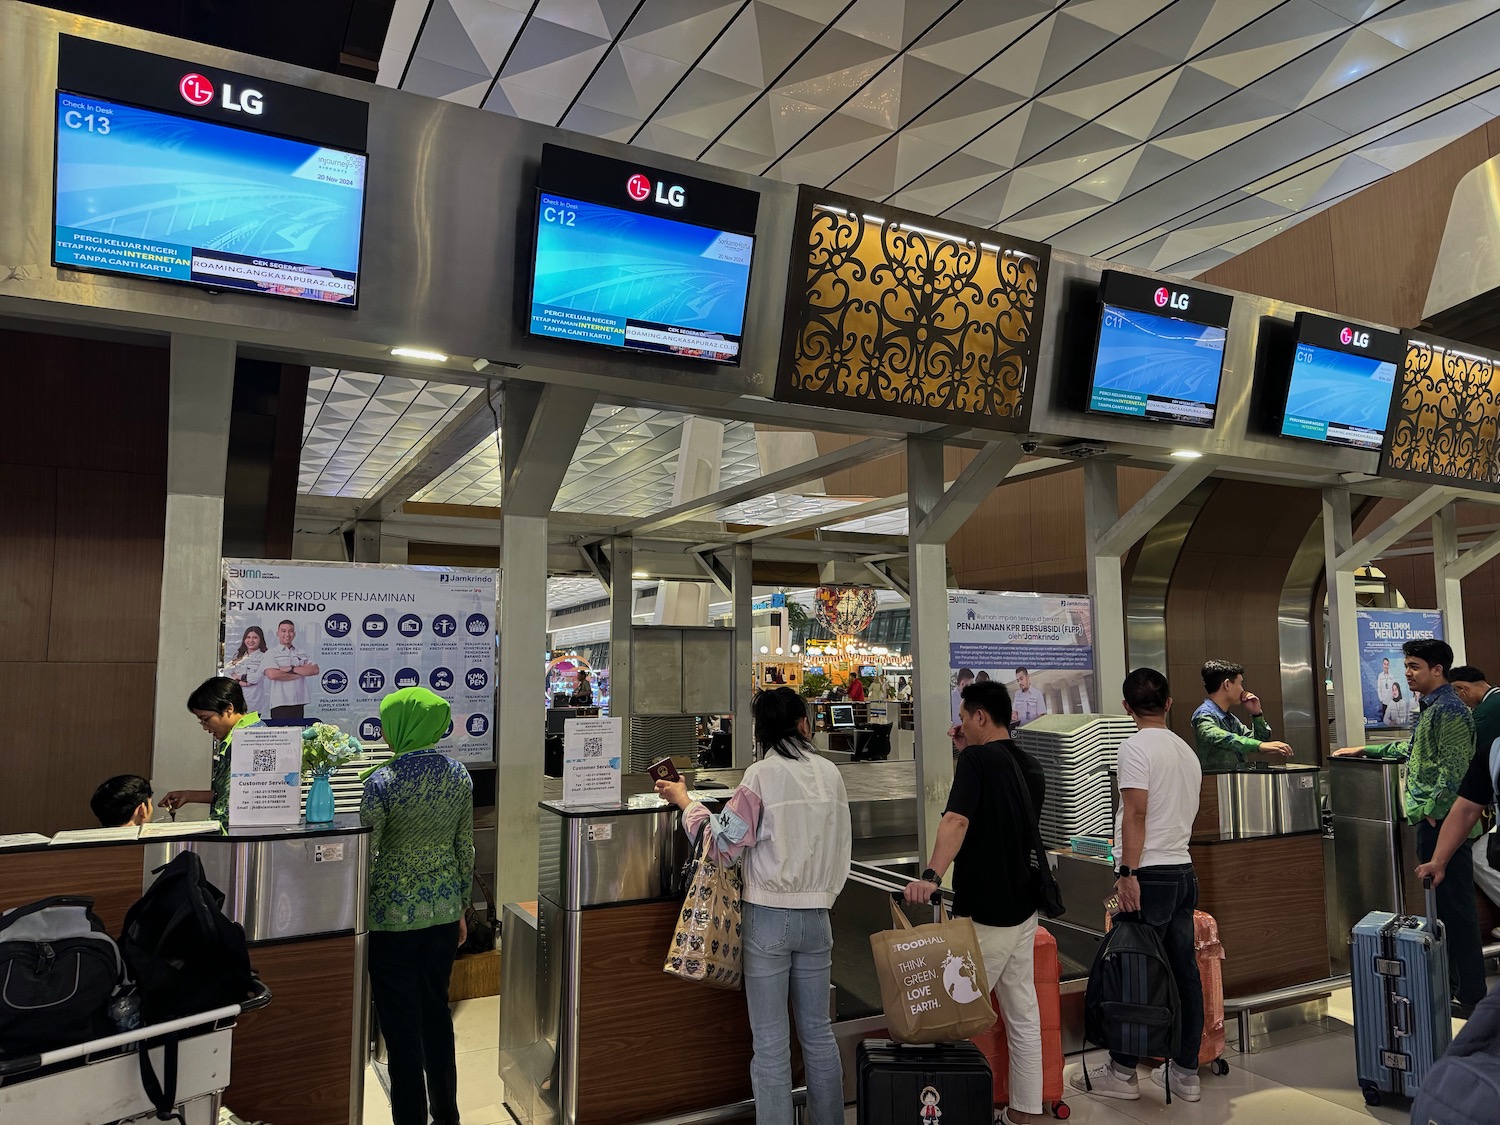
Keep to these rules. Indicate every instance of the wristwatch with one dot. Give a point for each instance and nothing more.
(931, 876)
(1123, 872)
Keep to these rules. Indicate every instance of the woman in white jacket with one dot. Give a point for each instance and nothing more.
(790, 818)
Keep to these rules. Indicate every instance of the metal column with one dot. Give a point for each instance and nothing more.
(1101, 511)
(621, 608)
(931, 698)
(1450, 594)
(202, 390)
(743, 739)
(1343, 627)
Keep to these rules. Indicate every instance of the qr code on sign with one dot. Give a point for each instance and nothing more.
(263, 759)
(593, 747)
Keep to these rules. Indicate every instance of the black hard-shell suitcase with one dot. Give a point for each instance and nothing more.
(915, 1084)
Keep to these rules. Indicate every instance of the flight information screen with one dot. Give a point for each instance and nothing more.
(1157, 367)
(178, 198)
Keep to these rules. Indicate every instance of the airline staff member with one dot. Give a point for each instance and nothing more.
(219, 706)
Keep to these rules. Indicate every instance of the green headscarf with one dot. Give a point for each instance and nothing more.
(411, 719)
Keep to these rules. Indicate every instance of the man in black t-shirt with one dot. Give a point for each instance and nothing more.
(985, 836)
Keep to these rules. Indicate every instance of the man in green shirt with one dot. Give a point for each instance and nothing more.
(1222, 739)
(1438, 756)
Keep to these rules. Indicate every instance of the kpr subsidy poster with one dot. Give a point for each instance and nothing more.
(1040, 646)
(1388, 700)
(330, 640)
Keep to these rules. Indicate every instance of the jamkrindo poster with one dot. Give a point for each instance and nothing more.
(1040, 646)
(330, 640)
(1388, 700)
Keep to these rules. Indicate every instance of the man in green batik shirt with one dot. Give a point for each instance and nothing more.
(1222, 739)
(1438, 756)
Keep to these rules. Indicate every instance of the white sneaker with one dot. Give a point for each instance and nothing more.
(1107, 1081)
(1185, 1084)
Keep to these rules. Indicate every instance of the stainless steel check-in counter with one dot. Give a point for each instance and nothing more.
(1374, 848)
(1258, 801)
(301, 895)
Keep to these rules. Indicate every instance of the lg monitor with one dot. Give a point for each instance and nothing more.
(1340, 385)
(841, 716)
(178, 172)
(640, 259)
(1159, 352)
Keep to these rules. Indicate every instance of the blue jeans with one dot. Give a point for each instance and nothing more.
(791, 950)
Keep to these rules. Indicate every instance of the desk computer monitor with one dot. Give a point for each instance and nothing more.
(841, 716)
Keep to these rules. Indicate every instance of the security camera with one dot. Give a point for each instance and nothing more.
(1030, 446)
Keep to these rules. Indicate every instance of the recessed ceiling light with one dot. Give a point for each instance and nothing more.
(639, 574)
(1186, 454)
(420, 353)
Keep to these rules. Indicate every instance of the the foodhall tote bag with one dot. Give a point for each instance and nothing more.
(932, 981)
(706, 942)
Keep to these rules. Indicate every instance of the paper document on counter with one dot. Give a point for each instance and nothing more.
(97, 835)
(167, 829)
(23, 840)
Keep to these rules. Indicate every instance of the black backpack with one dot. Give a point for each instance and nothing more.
(1131, 1005)
(59, 970)
(187, 956)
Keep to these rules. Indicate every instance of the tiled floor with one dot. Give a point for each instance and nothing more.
(1305, 1073)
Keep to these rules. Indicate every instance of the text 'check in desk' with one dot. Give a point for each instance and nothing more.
(605, 1040)
(300, 894)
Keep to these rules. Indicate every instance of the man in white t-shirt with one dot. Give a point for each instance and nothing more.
(287, 667)
(1160, 779)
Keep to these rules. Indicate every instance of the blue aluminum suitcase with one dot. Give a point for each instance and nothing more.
(1402, 1025)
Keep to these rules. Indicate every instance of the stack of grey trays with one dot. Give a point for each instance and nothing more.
(1076, 752)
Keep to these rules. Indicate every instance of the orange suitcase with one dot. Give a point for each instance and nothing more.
(1049, 1000)
(1211, 973)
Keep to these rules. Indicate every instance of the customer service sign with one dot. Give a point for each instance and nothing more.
(328, 641)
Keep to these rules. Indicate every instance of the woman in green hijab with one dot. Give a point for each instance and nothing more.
(420, 809)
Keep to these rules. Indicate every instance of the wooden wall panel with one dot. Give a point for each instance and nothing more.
(1372, 255)
(621, 952)
(26, 558)
(107, 578)
(83, 404)
(110, 874)
(1267, 896)
(83, 452)
(292, 1058)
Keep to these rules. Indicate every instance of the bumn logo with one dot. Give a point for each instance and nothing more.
(1350, 336)
(1165, 297)
(639, 188)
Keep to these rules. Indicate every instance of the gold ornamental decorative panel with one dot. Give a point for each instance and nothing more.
(1444, 423)
(891, 312)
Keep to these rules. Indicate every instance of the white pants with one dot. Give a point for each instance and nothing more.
(1009, 965)
(1485, 876)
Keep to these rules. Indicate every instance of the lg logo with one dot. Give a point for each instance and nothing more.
(199, 91)
(1165, 298)
(1350, 336)
(639, 188)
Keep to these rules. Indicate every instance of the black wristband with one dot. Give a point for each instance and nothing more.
(931, 876)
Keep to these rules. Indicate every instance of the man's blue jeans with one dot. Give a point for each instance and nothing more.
(791, 951)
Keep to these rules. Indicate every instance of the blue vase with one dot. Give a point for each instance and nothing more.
(320, 808)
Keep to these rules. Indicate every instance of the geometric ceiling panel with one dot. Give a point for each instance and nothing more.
(1116, 128)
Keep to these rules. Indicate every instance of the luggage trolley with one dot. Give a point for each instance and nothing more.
(100, 1082)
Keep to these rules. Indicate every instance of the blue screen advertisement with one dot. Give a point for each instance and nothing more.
(157, 195)
(1338, 397)
(1157, 367)
(628, 280)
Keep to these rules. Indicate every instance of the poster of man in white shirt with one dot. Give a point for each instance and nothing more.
(1027, 702)
(287, 668)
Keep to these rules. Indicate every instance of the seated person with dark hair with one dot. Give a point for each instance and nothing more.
(122, 801)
